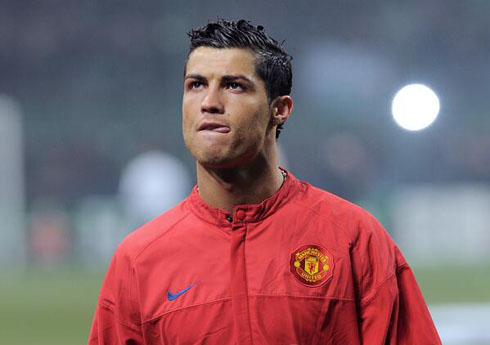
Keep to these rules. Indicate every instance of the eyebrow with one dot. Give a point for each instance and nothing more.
(195, 76)
(229, 78)
(225, 78)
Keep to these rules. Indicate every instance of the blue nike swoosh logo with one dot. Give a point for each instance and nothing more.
(172, 296)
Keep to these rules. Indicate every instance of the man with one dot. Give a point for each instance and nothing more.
(254, 256)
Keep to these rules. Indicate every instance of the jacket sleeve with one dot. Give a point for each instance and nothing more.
(117, 318)
(391, 307)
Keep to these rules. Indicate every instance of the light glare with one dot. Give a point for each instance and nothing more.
(415, 107)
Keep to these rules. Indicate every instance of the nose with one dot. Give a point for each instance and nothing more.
(212, 102)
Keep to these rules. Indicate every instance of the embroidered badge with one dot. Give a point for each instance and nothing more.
(312, 265)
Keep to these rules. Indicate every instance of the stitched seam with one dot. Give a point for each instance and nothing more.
(246, 284)
(118, 320)
(107, 306)
(303, 296)
(254, 295)
(355, 252)
(402, 266)
(194, 211)
(131, 286)
(96, 335)
(158, 237)
(183, 308)
(375, 293)
(138, 303)
(128, 325)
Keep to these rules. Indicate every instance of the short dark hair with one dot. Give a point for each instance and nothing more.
(272, 62)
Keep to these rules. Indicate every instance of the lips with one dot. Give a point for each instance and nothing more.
(213, 126)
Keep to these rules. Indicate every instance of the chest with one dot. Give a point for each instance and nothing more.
(278, 278)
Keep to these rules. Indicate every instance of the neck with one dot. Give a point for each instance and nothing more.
(250, 184)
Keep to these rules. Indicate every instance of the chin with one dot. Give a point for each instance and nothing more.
(215, 160)
(225, 161)
(216, 163)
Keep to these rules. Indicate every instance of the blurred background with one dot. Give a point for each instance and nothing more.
(91, 146)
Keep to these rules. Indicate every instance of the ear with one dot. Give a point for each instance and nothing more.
(281, 108)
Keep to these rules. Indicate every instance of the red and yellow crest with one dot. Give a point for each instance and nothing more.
(312, 265)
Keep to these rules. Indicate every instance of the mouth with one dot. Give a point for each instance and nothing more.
(214, 127)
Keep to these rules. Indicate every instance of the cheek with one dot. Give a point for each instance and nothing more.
(187, 126)
(187, 111)
(260, 121)
(254, 129)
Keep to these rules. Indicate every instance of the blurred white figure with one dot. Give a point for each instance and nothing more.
(100, 226)
(152, 183)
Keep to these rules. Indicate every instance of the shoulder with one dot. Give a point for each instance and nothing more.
(137, 241)
(324, 201)
(375, 256)
(350, 218)
(371, 249)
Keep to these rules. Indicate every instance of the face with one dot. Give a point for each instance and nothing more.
(226, 114)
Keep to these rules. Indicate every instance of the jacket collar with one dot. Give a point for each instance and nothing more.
(245, 213)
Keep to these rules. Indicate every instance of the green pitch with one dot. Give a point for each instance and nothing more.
(56, 307)
(47, 307)
(454, 284)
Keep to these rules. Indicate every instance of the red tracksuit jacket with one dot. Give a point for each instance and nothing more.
(303, 267)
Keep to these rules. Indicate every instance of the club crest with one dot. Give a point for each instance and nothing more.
(312, 265)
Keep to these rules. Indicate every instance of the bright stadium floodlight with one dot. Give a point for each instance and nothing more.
(415, 107)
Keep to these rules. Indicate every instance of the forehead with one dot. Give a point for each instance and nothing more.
(221, 61)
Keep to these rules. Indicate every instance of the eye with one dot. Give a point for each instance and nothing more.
(235, 86)
(195, 84)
